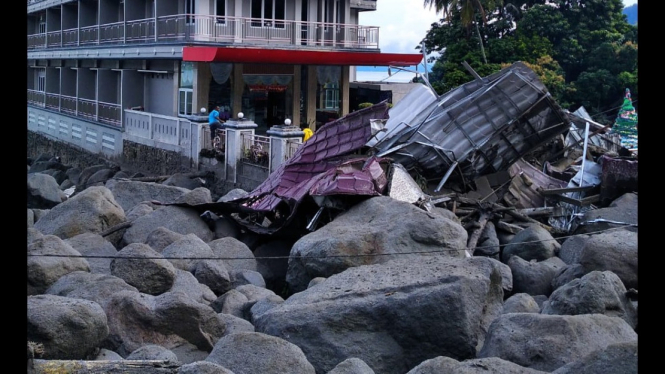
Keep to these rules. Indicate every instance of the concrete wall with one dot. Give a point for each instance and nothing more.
(159, 94)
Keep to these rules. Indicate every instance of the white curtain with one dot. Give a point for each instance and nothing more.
(221, 71)
(328, 74)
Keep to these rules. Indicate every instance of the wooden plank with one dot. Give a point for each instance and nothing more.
(39, 366)
(583, 202)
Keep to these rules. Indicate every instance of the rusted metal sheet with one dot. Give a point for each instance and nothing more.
(484, 125)
(618, 176)
(525, 186)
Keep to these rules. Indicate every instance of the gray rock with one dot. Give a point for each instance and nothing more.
(370, 227)
(183, 180)
(140, 210)
(488, 243)
(107, 355)
(213, 274)
(233, 253)
(188, 353)
(130, 193)
(186, 282)
(49, 258)
(490, 365)
(203, 367)
(272, 259)
(233, 302)
(263, 305)
(572, 248)
(533, 243)
(243, 277)
(253, 352)
(31, 218)
(387, 309)
(352, 366)
(93, 210)
(595, 293)
(88, 172)
(100, 177)
(41, 166)
(226, 227)
(68, 328)
(175, 218)
(232, 195)
(619, 358)
(89, 286)
(315, 281)
(199, 195)
(614, 251)
(39, 213)
(98, 251)
(33, 234)
(186, 252)
(567, 274)
(548, 342)
(153, 352)
(534, 278)
(43, 191)
(142, 267)
(161, 237)
(235, 324)
(521, 303)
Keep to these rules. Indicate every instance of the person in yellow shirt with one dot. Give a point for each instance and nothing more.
(308, 133)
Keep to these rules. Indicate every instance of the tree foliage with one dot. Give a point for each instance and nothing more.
(584, 51)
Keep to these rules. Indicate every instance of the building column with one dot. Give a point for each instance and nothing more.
(202, 76)
(295, 107)
(344, 91)
(280, 138)
(234, 129)
(238, 87)
(311, 96)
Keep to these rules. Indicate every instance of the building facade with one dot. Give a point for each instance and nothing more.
(103, 66)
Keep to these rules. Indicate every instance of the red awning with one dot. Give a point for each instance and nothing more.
(298, 57)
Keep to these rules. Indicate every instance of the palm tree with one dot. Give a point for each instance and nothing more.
(467, 10)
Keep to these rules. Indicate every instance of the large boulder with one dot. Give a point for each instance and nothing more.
(153, 352)
(68, 328)
(596, 292)
(178, 219)
(534, 277)
(186, 252)
(98, 251)
(369, 232)
(89, 286)
(161, 237)
(532, 243)
(233, 253)
(187, 283)
(43, 191)
(136, 319)
(547, 342)
(254, 352)
(352, 366)
(49, 258)
(213, 274)
(393, 315)
(142, 267)
(614, 251)
(619, 358)
(203, 367)
(93, 210)
(490, 365)
(521, 303)
(130, 193)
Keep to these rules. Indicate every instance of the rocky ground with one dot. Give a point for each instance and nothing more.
(117, 275)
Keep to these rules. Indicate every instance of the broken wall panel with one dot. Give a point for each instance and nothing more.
(526, 182)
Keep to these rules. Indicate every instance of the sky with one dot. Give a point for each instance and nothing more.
(402, 25)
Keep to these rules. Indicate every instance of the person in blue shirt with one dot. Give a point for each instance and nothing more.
(214, 121)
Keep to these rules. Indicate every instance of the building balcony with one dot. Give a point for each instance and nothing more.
(204, 29)
(108, 113)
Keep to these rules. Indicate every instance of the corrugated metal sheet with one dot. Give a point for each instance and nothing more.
(484, 125)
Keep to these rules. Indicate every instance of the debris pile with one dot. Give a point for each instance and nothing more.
(497, 149)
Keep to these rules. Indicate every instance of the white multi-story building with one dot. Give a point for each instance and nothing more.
(97, 67)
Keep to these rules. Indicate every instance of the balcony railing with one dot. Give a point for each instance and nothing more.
(109, 113)
(203, 28)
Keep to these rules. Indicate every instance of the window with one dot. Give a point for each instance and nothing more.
(42, 23)
(40, 83)
(220, 11)
(185, 101)
(190, 11)
(331, 96)
(266, 12)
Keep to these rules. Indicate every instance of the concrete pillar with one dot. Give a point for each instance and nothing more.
(295, 107)
(312, 84)
(202, 76)
(235, 127)
(280, 136)
(344, 91)
(238, 87)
